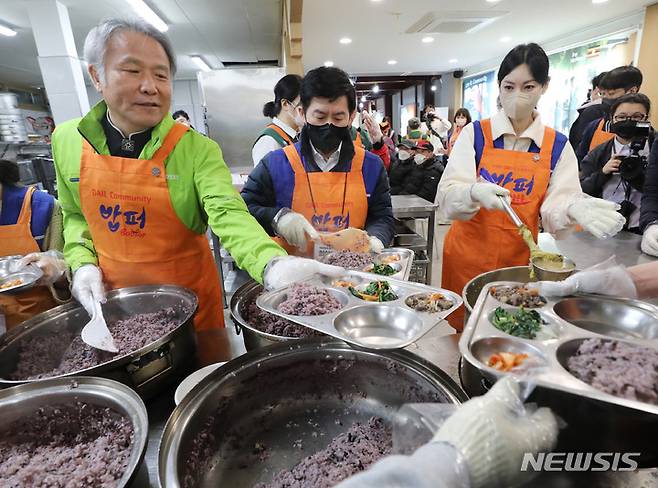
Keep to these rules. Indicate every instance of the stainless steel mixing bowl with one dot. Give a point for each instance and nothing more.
(22, 400)
(148, 370)
(270, 408)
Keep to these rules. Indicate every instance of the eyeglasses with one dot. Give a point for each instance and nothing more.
(636, 117)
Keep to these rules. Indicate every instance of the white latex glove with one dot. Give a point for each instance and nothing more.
(606, 278)
(598, 217)
(283, 270)
(486, 194)
(87, 287)
(51, 263)
(494, 431)
(650, 240)
(376, 245)
(294, 227)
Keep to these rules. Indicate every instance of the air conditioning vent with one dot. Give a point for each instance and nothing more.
(454, 21)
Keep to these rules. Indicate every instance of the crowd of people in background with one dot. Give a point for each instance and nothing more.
(611, 137)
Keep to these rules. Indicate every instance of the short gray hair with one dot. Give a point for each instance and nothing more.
(98, 38)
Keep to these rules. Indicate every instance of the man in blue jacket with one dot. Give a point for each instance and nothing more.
(323, 183)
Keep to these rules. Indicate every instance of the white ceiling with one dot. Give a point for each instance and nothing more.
(377, 30)
(219, 30)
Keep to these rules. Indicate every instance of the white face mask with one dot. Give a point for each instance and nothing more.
(419, 159)
(460, 121)
(518, 105)
(299, 120)
(403, 155)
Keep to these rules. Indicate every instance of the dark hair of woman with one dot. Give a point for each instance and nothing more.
(531, 54)
(287, 88)
(9, 174)
(464, 113)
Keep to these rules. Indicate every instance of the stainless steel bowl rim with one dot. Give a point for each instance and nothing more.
(172, 432)
(238, 297)
(126, 358)
(120, 394)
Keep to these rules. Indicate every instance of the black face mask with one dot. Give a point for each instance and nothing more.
(326, 138)
(627, 129)
(607, 103)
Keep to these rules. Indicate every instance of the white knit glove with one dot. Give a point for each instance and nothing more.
(87, 287)
(294, 227)
(51, 263)
(650, 240)
(493, 432)
(606, 278)
(598, 217)
(376, 245)
(487, 195)
(284, 270)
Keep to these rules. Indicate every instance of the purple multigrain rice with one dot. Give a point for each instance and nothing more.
(65, 352)
(271, 324)
(306, 299)
(71, 445)
(347, 454)
(618, 368)
(349, 259)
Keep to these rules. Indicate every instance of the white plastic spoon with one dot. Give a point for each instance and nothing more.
(96, 333)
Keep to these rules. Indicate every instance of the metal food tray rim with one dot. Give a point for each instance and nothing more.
(325, 323)
(31, 269)
(555, 376)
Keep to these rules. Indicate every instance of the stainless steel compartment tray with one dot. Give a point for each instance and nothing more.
(387, 325)
(481, 338)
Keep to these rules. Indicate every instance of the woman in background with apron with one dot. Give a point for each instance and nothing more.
(30, 226)
(286, 118)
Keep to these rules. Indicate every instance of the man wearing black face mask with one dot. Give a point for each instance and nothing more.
(324, 183)
(607, 173)
(592, 127)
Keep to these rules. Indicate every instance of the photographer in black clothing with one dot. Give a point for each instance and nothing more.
(615, 170)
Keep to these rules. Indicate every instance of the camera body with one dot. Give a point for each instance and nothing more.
(633, 165)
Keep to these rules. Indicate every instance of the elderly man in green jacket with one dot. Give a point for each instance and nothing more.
(138, 190)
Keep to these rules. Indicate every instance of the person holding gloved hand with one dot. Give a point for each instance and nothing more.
(480, 446)
(512, 156)
(30, 226)
(325, 182)
(139, 190)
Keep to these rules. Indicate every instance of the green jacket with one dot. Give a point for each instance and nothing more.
(200, 186)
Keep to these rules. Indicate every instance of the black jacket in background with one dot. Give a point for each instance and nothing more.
(592, 178)
(593, 112)
(422, 180)
(649, 207)
(398, 174)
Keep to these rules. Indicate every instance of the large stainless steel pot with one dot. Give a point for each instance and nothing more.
(472, 290)
(290, 400)
(147, 370)
(253, 338)
(22, 400)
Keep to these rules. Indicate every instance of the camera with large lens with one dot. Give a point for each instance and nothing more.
(633, 165)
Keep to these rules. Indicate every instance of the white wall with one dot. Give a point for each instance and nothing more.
(185, 96)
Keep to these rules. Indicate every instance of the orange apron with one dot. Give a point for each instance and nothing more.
(357, 140)
(490, 240)
(138, 237)
(284, 135)
(330, 201)
(600, 136)
(17, 240)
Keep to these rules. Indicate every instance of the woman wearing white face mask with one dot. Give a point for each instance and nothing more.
(512, 156)
(286, 117)
(462, 118)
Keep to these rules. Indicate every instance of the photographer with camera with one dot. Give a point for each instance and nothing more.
(615, 170)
